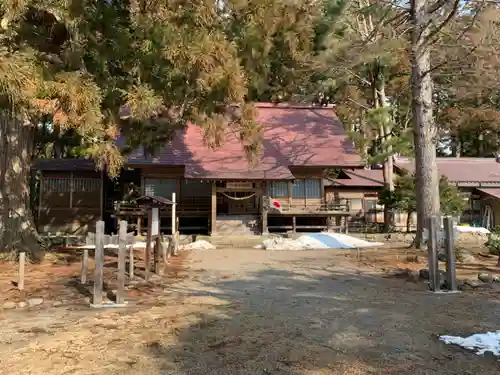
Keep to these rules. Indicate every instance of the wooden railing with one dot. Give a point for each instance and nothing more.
(319, 207)
(187, 204)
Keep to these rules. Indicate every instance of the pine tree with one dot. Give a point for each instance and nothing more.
(84, 64)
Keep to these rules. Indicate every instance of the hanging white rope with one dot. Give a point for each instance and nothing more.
(238, 198)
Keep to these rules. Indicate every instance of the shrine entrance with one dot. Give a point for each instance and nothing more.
(240, 198)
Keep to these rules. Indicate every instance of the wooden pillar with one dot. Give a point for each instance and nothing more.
(131, 263)
(122, 248)
(20, 282)
(99, 263)
(290, 191)
(85, 257)
(174, 215)
(213, 211)
(323, 193)
(40, 196)
(265, 201)
(294, 224)
(147, 250)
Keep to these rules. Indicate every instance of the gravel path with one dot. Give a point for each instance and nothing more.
(260, 312)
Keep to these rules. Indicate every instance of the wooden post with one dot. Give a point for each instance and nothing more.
(290, 192)
(346, 218)
(175, 226)
(40, 195)
(451, 273)
(265, 229)
(85, 257)
(433, 227)
(131, 262)
(158, 253)
(147, 250)
(71, 188)
(99, 263)
(155, 221)
(122, 247)
(174, 216)
(20, 283)
(294, 224)
(213, 211)
(139, 225)
(101, 196)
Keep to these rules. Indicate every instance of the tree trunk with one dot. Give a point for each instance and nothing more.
(17, 228)
(408, 222)
(385, 134)
(425, 131)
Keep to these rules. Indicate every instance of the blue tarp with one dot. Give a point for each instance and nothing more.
(329, 241)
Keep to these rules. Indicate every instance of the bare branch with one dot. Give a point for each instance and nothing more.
(431, 37)
(436, 6)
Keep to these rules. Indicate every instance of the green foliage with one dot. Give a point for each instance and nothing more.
(493, 242)
(452, 202)
(168, 63)
(404, 196)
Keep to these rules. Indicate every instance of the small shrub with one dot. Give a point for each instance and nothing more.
(493, 242)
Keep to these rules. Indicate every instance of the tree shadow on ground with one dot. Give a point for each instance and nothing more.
(314, 321)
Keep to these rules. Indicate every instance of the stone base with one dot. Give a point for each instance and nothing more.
(108, 305)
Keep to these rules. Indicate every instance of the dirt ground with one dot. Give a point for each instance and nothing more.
(247, 311)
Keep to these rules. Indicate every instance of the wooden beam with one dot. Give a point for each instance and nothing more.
(213, 211)
(224, 190)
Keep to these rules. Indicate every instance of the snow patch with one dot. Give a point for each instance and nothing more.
(480, 342)
(466, 229)
(199, 245)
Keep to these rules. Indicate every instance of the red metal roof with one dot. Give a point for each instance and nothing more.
(460, 169)
(494, 192)
(294, 135)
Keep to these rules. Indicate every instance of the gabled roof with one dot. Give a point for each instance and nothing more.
(360, 178)
(464, 170)
(494, 192)
(294, 135)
